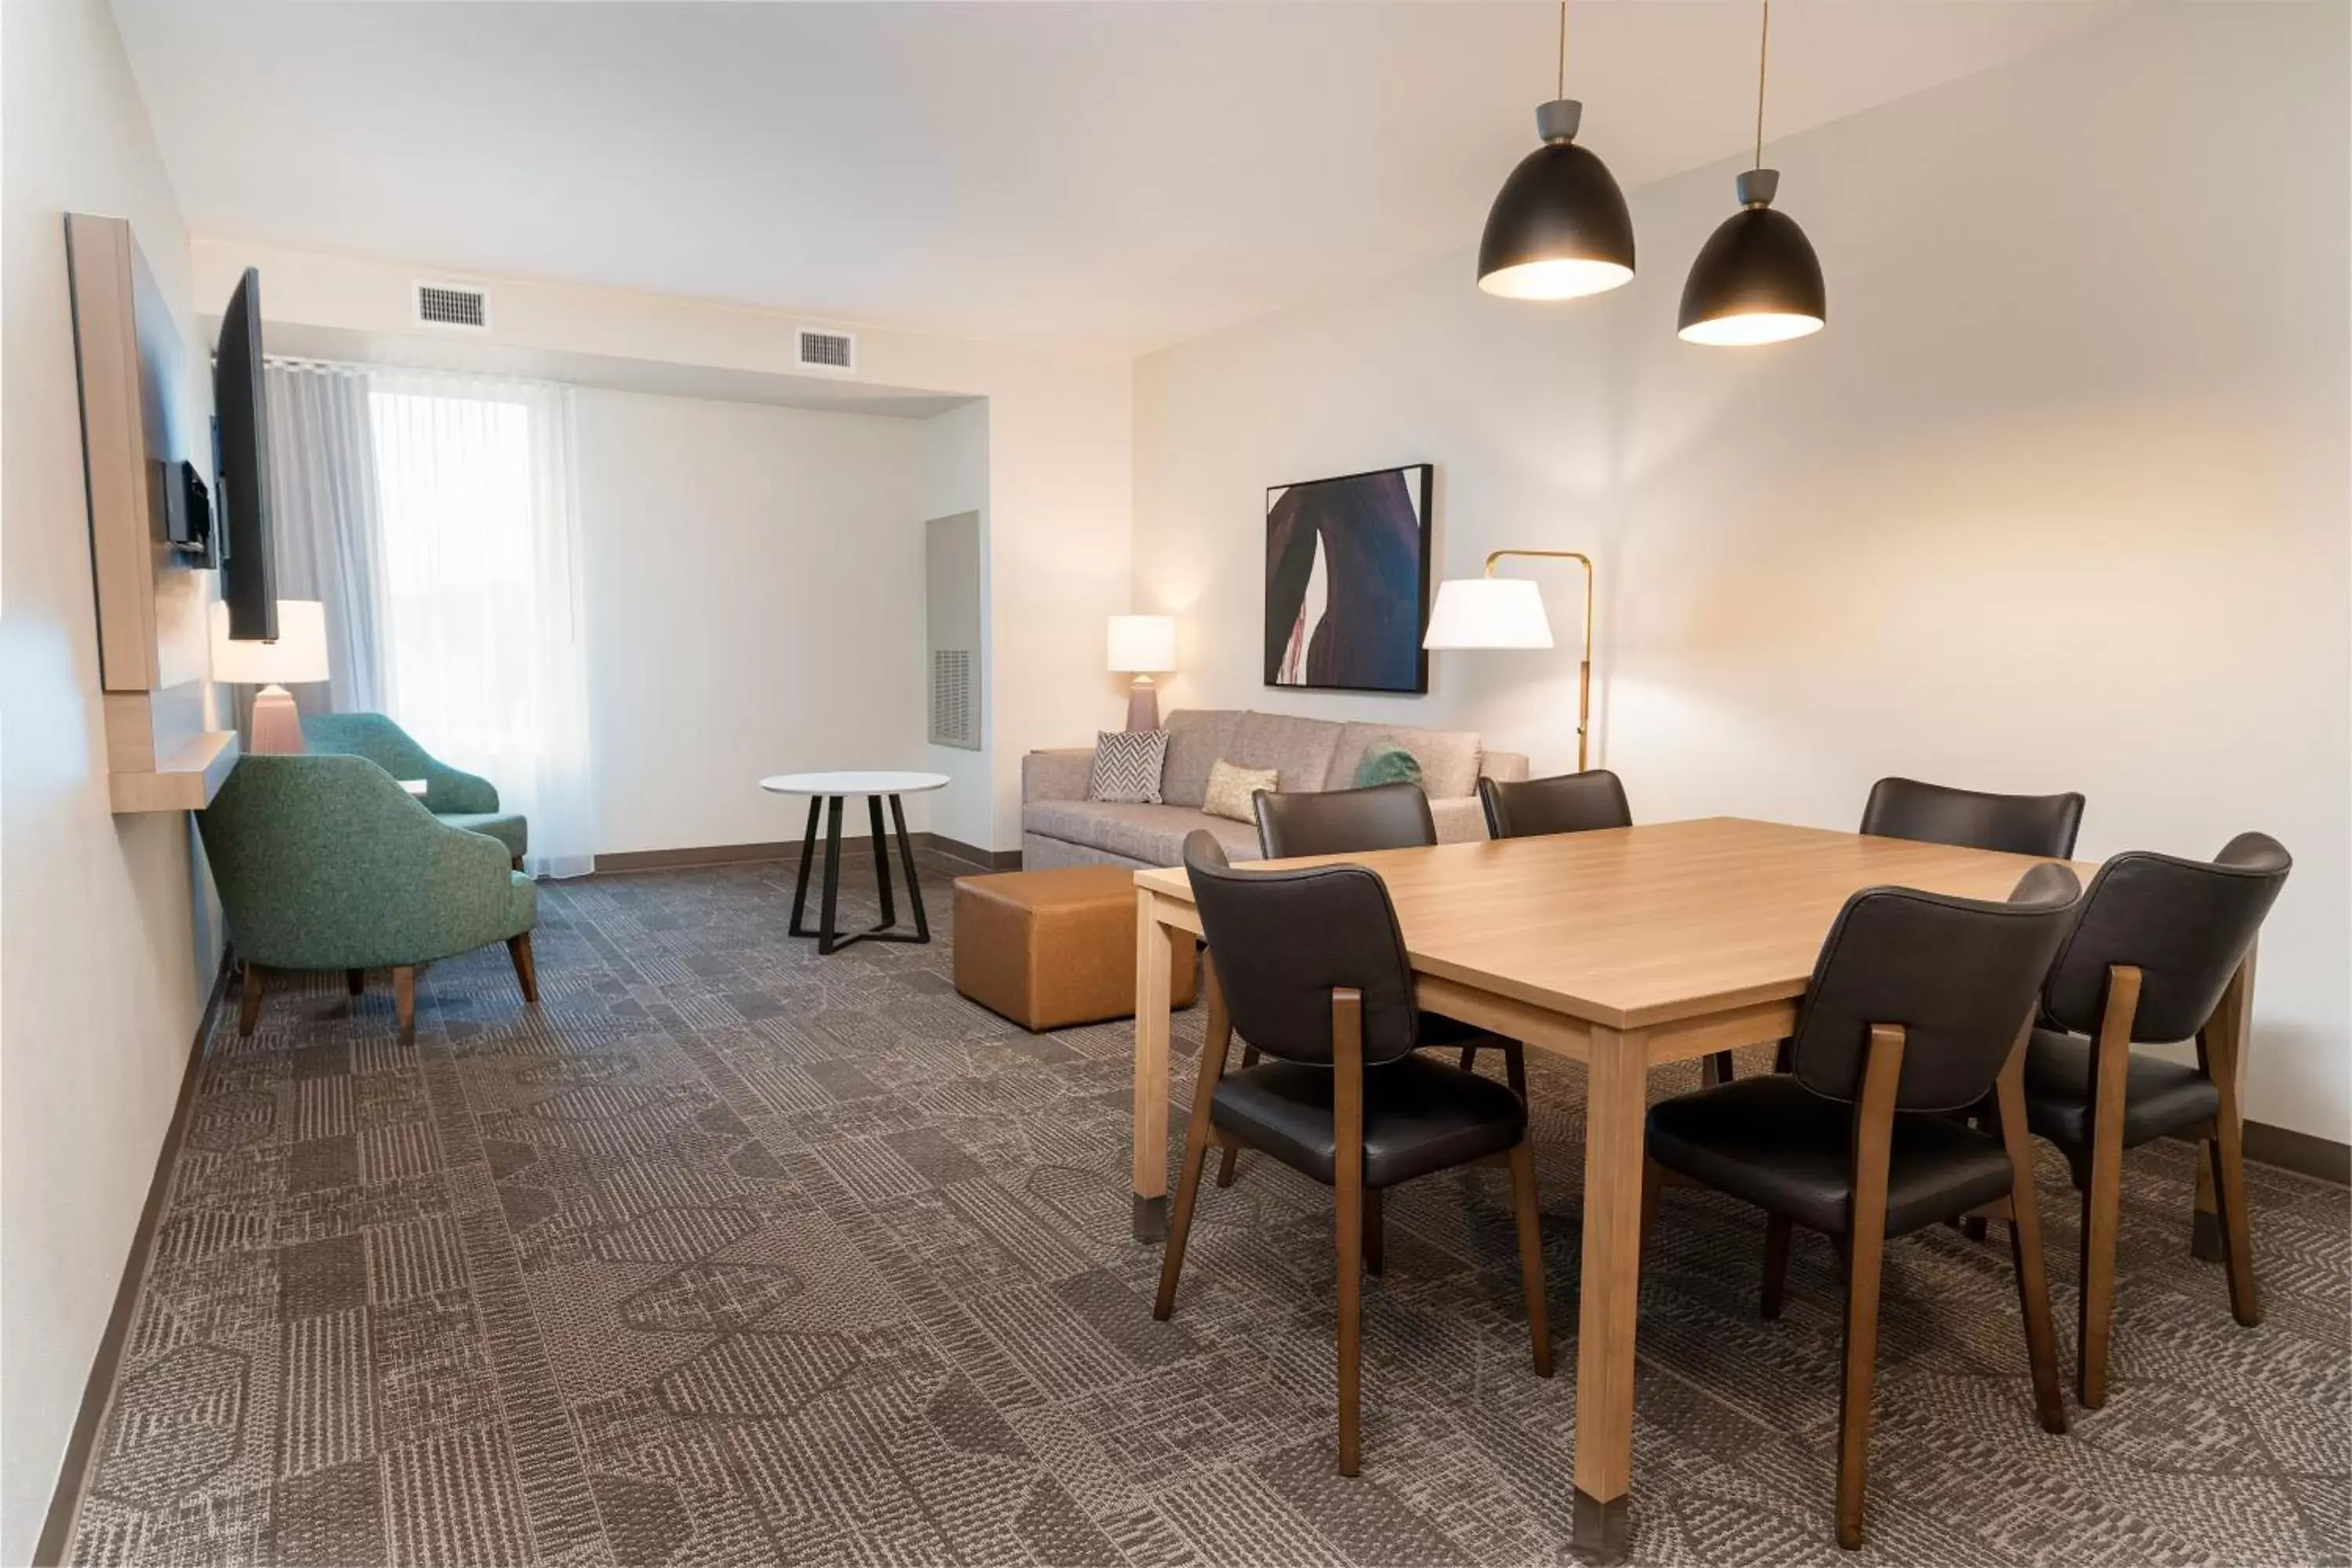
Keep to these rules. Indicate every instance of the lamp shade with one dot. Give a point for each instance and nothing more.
(1142, 645)
(299, 653)
(1558, 228)
(1487, 612)
(1757, 279)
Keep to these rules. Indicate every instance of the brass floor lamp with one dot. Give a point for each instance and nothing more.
(1493, 611)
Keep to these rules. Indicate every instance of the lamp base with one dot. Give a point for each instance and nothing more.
(1143, 704)
(277, 726)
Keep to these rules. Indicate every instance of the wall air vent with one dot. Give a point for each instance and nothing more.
(955, 720)
(827, 351)
(447, 305)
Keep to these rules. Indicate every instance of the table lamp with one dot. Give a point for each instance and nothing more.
(1143, 646)
(300, 654)
(1493, 611)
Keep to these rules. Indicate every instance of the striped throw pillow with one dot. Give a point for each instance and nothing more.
(1128, 764)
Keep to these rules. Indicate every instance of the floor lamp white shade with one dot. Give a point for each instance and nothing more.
(299, 654)
(1487, 612)
(1143, 646)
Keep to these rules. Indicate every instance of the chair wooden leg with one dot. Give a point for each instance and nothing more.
(1873, 1141)
(1374, 1227)
(1973, 1228)
(2025, 1240)
(2103, 1194)
(1515, 1068)
(404, 1001)
(526, 968)
(1348, 1201)
(356, 982)
(1776, 1229)
(1531, 1269)
(1196, 1141)
(1718, 1069)
(1469, 1059)
(248, 1010)
(1249, 1060)
(2220, 1048)
(2205, 1220)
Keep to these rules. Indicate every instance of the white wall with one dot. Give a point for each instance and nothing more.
(2058, 501)
(955, 480)
(105, 951)
(754, 586)
(1059, 484)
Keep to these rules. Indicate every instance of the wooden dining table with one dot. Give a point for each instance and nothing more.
(1626, 949)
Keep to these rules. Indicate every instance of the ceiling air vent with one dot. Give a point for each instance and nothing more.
(827, 351)
(447, 305)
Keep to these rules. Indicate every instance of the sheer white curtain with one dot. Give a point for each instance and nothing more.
(482, 653)
(322, 481)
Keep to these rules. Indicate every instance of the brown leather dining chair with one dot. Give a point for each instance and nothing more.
(1920, 1004)
(2164, 952)
(1309, 965)
(1348, 822)
(1565, 802)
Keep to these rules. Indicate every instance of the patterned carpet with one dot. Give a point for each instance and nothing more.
(729, 1253)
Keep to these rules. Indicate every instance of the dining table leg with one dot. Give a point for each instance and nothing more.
(1154, 965)
(1610, 1297)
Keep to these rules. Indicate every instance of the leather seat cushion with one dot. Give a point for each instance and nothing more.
(1776, 1143)
(1420, 1116)
(2159, 1097)
(507, 829)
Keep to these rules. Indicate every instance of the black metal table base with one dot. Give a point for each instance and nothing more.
(828, 931)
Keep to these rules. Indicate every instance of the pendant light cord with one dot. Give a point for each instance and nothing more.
(1560, 86)
(1763, 55)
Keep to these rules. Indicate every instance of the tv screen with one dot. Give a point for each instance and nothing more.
(241, 507)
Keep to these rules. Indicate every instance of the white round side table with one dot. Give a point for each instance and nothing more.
(826, 793)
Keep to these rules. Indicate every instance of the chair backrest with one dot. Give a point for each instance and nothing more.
(2184, 924)
(1284, 940)
(1958, 974)
(1570, 803)
(1344, 821)
(1973, 819)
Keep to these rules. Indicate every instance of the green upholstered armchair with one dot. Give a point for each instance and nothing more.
(325, 862)
(458, 799)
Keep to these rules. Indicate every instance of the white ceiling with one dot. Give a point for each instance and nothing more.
(1104, 177)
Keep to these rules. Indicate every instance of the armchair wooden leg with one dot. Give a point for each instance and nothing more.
(1873, 1138)
(403, 1001)
(2025, 1240)
(248, 1010)
(1373, 1228)
(1531, 1269)
(1776, 1229)
(526, 968)
(2220, 1048)
(1196, 1142)
(2103, 1194)
(356, 982)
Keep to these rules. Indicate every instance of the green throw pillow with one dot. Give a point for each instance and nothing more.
(1387, 763)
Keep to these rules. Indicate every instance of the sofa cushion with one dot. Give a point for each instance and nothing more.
(1195, 740)
(1448, 758)
(1126, 765)
(1233, 792)
(1152, 834)
(1298, 748)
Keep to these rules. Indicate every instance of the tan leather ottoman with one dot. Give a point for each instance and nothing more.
(1049, 948)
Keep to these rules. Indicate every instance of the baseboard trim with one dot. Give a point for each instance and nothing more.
(790, 850)
(2303, 1152)
(73, 1471)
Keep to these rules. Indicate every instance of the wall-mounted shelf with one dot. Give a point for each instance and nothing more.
(184, 781)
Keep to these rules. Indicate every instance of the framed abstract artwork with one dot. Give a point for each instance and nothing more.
(1346, 581)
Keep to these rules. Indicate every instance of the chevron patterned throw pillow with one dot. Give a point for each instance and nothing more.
(1128, 764)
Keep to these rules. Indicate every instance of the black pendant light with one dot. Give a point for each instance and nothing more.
(1757, 279)
(1559, 228)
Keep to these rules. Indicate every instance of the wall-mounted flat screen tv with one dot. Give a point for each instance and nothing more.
(241, 462)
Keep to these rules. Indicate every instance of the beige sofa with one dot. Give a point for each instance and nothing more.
(1060, 827)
